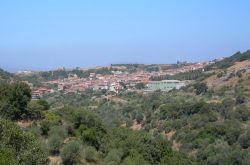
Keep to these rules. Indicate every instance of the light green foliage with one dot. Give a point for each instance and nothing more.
(44, 104)
(7, 156)
(58, 130)
(26, 148)
(135, 159)
(34, 129)
(90, 154)
(113, 157)
(55, 143)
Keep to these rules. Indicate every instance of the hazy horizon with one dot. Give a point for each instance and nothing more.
(44, 35)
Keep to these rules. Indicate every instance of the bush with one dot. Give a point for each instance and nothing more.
(55, 143)
(25, 147)
(44, 104)
(242, 113)
(219, 75)
(114, 157)
(240, 100)
(35, 130)
(71, 153)
(7, 156)
(91, 154)
(200, 88)
(244, 140)
(135, 159)
(14, 99)
(58, 130)
(34, 110)
(45, 127)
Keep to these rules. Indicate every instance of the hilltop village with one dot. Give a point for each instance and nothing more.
(119, 79)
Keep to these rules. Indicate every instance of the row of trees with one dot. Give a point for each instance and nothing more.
(191, 75)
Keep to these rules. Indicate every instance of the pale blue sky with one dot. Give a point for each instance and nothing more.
(45, 34)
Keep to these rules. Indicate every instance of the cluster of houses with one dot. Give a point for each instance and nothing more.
(118, 81)
(39, 92)
(111, 82)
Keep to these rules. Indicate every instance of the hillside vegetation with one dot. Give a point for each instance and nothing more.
(6, 76)
(206, 122)
(229, 61)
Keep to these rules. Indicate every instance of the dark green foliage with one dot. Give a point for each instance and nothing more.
(242, 113)
(176, 110)
(177, 159)
(45, 105)
(240, 99)
(140, 86)
(219, 75)
(200, 88)
(34, 110)
(87, 125)
(240, 73)
(191, 75)
(244, 140)
(14, 99)
(123, 85)
(221, 153)
(71, 153)
(152, 68)
(138, 147)
(89, 136)
(139, 118)
(45, 127)
(134, 159)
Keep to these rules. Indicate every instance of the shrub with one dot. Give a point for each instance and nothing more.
(44, 104)
(244, 140)
(242, 113)
(91, 154)
(58, 130)
(14, 99)
(45, 127)
(71, 153)
(114, 157)
(7, 156)
(200, 88)
(219, 75)
(35, 130)
(135, 159)
(240, 99)
(55, 143)
(25, 147)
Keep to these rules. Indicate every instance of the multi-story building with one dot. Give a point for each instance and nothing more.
(165, 85)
